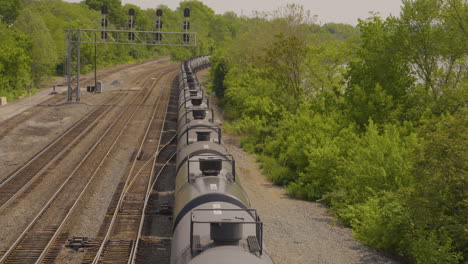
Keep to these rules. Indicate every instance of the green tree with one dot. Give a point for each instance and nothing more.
(43, 52)
(15, 69)
(9, 10)
(379, 76)
(433, 40)
(284, 64)
(116, 13)
(438, 201)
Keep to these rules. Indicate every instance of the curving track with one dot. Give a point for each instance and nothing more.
(38, 242)
(125, 215)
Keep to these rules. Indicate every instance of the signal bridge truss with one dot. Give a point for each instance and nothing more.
(120, 37)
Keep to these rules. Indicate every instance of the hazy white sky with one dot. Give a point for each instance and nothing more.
(341, 11)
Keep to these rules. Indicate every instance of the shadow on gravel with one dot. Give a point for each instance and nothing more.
(371, 257)
(267, 185)
(325, 220)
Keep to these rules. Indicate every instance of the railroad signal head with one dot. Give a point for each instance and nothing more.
(187, 12)
(159, 13)
(131, 12)
(186, 25)
(104, 22)
(158, 36)
(159, 24)
(131, 36)
(103, 35)
(104, 10)
(186, 37)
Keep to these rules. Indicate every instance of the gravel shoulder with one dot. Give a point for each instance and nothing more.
(295, 231)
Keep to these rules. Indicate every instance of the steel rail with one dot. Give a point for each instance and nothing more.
(51, 144)
(70, 212)
(34, 221)
(132, 258)
(148, 162)
(54, 159)
(148, 189)
(128, 184)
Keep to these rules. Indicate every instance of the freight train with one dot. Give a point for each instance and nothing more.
(212, 218)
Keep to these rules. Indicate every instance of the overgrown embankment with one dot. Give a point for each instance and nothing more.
(370, 122)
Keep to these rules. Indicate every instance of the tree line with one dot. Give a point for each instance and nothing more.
(369, 120)
(33, 40)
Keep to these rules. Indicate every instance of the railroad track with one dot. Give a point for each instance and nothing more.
(155, 237)
(24, 177)
(34, 243)
(12, 122)
(125, 215)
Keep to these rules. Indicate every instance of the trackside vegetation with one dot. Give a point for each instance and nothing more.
(369, 120)
(33, 41)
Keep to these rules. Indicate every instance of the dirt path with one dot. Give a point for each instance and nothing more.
(295, 231)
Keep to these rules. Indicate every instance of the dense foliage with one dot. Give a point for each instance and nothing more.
(33, 37)
(371, 120)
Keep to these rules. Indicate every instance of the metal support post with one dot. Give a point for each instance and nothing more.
(117, 37)
(74, 46)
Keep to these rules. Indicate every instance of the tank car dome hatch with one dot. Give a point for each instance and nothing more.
(196, 101)
(186, 115)
(210, 166)
(199, 114)
(198, 131)
(226, 232)
(188, 156)
(186, 100)
(203, 135)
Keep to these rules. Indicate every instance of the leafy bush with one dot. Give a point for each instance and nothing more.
(374, 126)
(275, 172)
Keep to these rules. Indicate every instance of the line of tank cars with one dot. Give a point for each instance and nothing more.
(213, 222)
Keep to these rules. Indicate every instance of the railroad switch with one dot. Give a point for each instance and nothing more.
(77, 243)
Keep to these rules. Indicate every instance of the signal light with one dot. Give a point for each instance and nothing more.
(103, 35)
(186, 25)
(159, 13)
(131, 36)
(131, 12)
(104, 22)
(103, 10)
(186, 37)
(187, 12)
(158, 36)
(159, 24)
